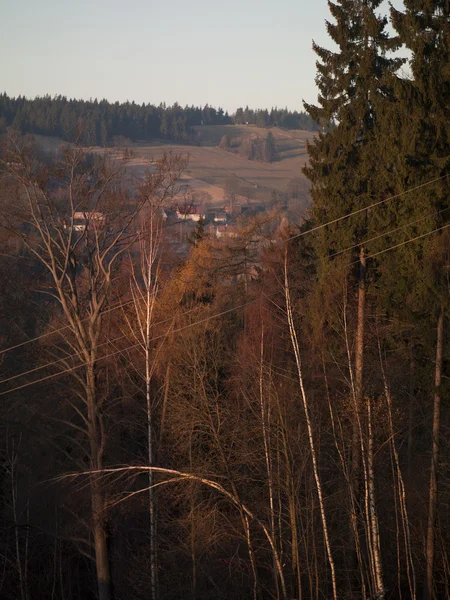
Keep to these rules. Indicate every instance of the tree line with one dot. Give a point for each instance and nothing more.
(276, 117)
(101, 123)
(261, 416)
(251, 147)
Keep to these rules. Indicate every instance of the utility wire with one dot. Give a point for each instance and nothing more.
(55, 362)
(360, 210)
(206, 319)
(54, 331)
(303, 233)
(39, 368)
(68, 370)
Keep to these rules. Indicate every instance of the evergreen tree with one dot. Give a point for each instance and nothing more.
(225, 142)
(269, 151)
(344, 178)
(421, 150)
(247, 148)
(164, 128)
(199, 233)
(352, 94)
(239, 116)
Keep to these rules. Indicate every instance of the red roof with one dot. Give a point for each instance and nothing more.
(188, 210)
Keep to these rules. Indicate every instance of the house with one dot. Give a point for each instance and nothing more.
(220, 217)
(87, 219)
(233, 209)
(190, 212)
(229, 231)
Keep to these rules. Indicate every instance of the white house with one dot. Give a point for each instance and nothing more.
(88, 219)
(190, 213)
(229, 231)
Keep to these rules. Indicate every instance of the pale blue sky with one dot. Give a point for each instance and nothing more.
(226, 54)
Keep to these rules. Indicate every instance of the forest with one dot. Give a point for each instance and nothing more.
(101, 123)
(260, 416)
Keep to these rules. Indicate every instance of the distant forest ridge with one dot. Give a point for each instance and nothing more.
(104, 123)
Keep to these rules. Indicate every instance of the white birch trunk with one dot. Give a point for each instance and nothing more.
(295, 345)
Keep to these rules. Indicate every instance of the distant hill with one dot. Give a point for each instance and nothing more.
(214, 170)
(102, 123)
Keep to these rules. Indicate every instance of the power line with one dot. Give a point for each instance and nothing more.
(381, 235)
(360, 210)
(206, 319)
(64, 358)
(303, 233)
(309, 264)
(54, 331)
(68, 370)
(418, 237)
(4, 351)
(55, 362)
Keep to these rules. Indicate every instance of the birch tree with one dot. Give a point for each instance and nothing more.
(77, 219)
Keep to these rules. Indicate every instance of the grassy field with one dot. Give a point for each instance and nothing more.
(210, 168)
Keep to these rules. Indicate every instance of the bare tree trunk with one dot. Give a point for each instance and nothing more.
(292, 507)
(151, 500)
(432, 509)
(294, 539)
(366, 454)
(97, 499)
(192, 536)
(358, 399)
(265, 424)
(141, 328)
(295, 345)
(375, 533)
(252, 557)
(12, 458)
(100, 542)
(359, 367)
(401, 488)
(411, 413)
(345, 471)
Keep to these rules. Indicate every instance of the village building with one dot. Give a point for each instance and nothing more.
(88, 219)
(190, 212)
(223, 231)
(220, 217)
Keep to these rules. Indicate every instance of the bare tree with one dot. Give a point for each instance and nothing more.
(312, 443)
(77, 219)
(144, 287)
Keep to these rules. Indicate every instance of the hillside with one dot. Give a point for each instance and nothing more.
(212, 169)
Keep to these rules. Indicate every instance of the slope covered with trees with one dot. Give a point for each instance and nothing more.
(101, 123)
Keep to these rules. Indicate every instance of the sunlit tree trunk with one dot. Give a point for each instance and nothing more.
(359, 367)
(312, 445)
(433, 490)
(401, 491)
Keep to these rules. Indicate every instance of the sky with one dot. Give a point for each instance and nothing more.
(228, 54)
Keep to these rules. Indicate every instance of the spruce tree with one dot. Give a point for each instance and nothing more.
(422, 112)
(343, 175)
(269, 151)
(352, 94)
(199, 234)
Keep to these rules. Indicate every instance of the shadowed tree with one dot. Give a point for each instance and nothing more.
(77, 220)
